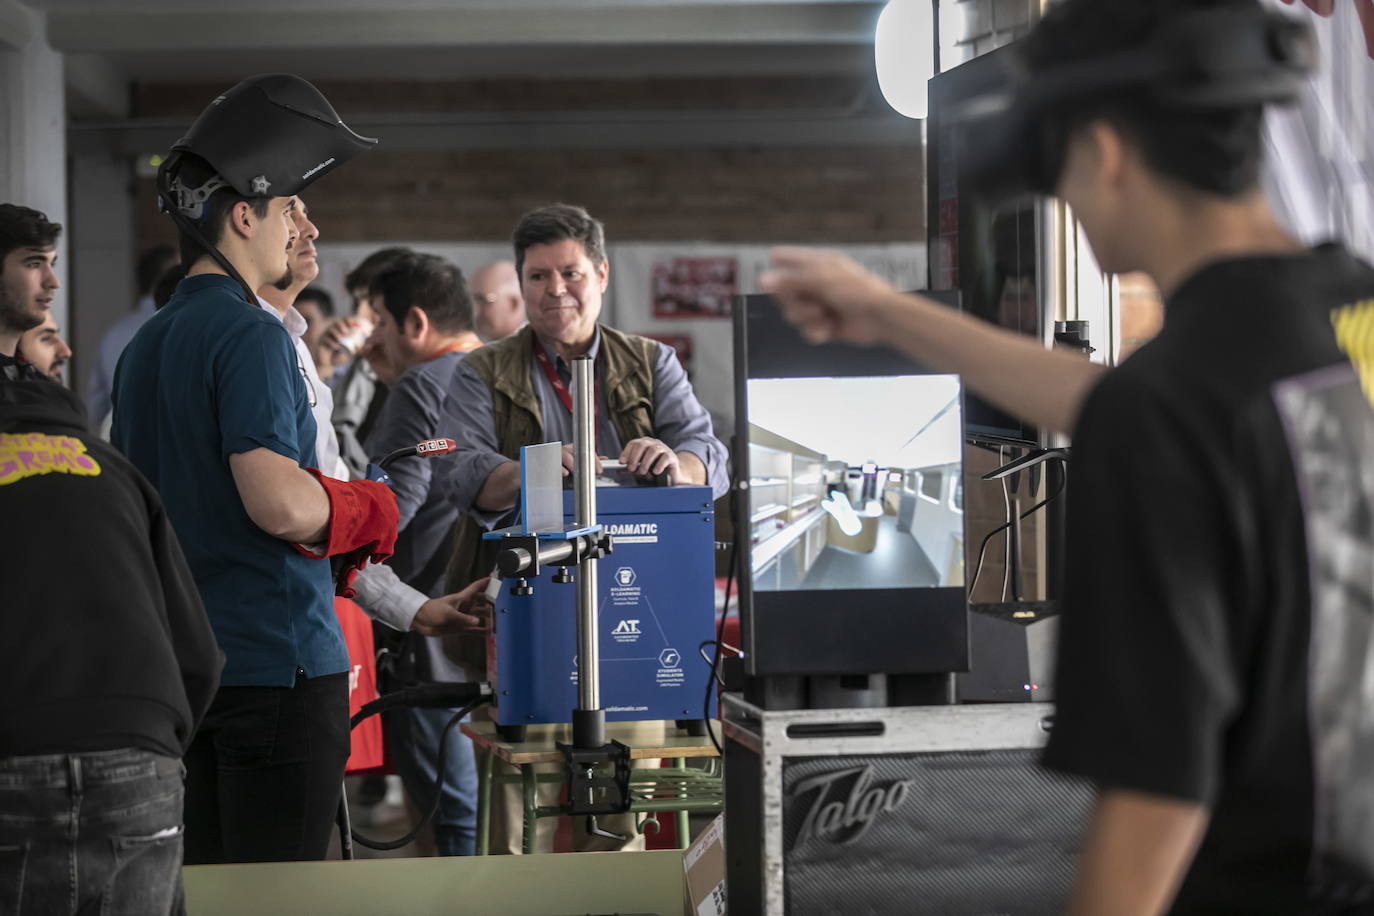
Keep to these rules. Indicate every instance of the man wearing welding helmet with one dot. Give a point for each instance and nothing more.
(211, 405)
(1216, 670)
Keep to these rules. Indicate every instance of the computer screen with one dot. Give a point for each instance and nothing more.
(854, 482)
(849, 507)
(990, 255)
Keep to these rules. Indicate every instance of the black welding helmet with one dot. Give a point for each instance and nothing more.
(1206, 60)
(268, 136)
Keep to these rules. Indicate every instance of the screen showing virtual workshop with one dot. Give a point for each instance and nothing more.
(855, 482)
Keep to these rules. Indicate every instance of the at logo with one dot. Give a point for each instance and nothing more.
(841, 806)
(626, 628)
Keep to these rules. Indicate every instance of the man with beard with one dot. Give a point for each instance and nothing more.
(44, 347)
(210, 403)
(28, 257)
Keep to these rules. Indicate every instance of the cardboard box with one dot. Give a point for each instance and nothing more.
(704, 865)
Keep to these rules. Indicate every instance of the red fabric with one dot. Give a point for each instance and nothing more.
(366, 754)
(362, 525)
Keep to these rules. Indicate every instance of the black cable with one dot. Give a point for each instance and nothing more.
(724, 611)
(438, 785)
(978, 567)
(720, 639)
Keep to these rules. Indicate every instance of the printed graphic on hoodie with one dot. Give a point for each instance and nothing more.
(24, 455)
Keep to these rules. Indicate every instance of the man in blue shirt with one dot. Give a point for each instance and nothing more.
(210, 404)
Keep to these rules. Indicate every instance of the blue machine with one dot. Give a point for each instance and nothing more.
(656, 602)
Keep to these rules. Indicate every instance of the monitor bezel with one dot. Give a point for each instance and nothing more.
(833, 631)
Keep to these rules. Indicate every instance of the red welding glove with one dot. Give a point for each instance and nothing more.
(362, 526)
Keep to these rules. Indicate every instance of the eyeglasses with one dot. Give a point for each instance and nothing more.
(309, 385)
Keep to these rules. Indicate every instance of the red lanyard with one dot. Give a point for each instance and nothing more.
(559, 388)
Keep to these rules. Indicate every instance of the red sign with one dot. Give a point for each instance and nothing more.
(693, 287)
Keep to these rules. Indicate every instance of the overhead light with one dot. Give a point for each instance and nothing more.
(904, 51)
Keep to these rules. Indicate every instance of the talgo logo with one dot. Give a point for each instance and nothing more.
(626, 628)
(841, 806)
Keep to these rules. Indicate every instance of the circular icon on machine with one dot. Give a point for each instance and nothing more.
(669, 658)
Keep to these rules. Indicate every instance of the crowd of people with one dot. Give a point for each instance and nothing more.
(241, 414)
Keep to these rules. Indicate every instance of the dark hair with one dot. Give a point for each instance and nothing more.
(1217, 151)
(166, 284)
(427, 282)
(554, 223)
(151, 265)
(361, 276)
(194, 172)
(318, 296)
(22, 227)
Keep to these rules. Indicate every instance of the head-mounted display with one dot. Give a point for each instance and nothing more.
(1014, 135)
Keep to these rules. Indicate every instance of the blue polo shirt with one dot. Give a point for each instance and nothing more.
(207, 377)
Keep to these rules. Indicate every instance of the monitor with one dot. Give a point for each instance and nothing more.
(990, 255)
(849, 509)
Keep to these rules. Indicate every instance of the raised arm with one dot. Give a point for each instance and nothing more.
(830, 297)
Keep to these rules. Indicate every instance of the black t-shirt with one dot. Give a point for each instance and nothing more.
(1217, 640)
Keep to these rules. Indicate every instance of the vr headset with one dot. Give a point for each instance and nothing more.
(1014, 135)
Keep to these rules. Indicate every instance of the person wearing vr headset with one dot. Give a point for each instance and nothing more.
(1217, 629)
(212, 406)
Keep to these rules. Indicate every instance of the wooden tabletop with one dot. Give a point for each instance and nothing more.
(646, 740)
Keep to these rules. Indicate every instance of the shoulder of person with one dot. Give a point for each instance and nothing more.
(485, 359)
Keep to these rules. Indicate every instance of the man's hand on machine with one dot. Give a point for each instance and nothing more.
(570, 462)
(362, 526)
(467, 613)
(648, 457)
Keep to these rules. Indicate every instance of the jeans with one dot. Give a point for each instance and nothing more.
(413, 742)
(264, 773)
(97, 832)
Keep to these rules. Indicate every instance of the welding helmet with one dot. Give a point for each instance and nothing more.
(268, 136)
(1016, 133)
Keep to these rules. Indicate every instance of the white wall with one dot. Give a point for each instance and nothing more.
(33, 146)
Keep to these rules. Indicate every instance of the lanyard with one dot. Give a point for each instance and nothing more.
(454, 348)
(559, 387)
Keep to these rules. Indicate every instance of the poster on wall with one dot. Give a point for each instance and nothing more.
(700, 287)
(681, 343)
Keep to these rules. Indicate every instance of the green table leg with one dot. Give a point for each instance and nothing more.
(484, 804)
(531, 801)
(684, 827)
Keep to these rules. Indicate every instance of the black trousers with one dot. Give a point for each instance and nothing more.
(264, 772)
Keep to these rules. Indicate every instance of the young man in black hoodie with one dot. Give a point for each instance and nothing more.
(110, 666)
(1217, 640)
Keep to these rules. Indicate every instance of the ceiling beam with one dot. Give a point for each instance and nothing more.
(108, 31)
(621, 130)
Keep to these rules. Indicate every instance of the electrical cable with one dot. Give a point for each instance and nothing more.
(724, 614)
(387, 845)
(978, 567)
(1006, 554)
(720, 641)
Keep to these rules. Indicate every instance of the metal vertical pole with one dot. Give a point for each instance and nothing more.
(584, 498)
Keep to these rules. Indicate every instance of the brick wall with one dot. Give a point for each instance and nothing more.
(840, 194)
